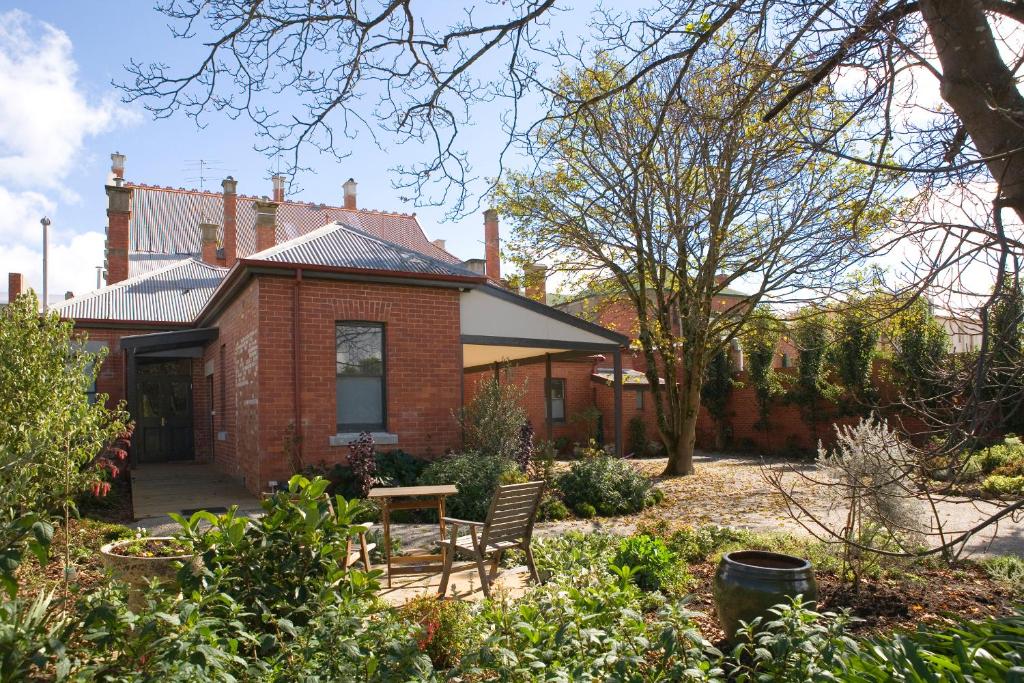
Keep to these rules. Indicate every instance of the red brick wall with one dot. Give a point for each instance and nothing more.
(423, 366)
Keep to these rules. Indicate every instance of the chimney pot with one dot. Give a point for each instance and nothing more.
(15, 286)
(278, 182)
(208, 233)
(69, 295)
(492, 244)
(350, 193)
(117, 164)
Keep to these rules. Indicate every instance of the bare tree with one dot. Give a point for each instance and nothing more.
(665, 214)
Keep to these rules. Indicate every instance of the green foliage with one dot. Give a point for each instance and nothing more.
(695, 544)
(585, 510)
(657, 566)
(477, 477)
(552, 509)
(608, 483)
(50, 434)
(761, 335)
(921, 345)
(1004, 381)
(999, 485)
(1008, 571)
(982, 650)
(1005, 459)
(853, 350)
(573, 551)
(446, 628)
(398, 468)
(588, 625)
(492, 420)
(637, 442)
(811, 387)
(716, 389)
(796, 644)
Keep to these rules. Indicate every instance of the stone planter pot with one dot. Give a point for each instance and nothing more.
(137, 572)
(750, 582)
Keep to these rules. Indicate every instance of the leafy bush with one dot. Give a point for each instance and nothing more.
(798, 644)
(477, 478)
(587, 625)
(636, 437)
(693, 544)
(983, 650)
(1005, 458)
(606, 482)
(493, 418)
(398, 468)
(446, 628)
(362, 461)
(552, 509)
(998, 485)
(565, 553)
(658, 567)
(1008, 571)
(586, 510)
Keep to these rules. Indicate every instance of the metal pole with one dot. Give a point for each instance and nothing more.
(46, 230)
(547, 395)
(99, 276)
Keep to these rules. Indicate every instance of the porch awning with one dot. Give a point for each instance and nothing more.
(178, 343)
(631, 379)
(499, 326)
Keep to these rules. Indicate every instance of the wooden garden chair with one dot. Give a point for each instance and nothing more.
(509, 525)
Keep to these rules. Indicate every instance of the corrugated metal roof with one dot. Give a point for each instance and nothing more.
(140, 263)
(344, 246)
(166, 221)
(173, 293)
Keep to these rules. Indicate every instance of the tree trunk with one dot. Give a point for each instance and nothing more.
(680, 462)
(980, 88)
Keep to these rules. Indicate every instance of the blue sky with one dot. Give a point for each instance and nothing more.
(60, 118)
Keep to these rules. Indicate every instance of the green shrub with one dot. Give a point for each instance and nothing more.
(585, 510)
(477, 478)
(694, 544)
(398, 468)
(572, 551)
(657, 566)
(446, 628)
(492, 420)
(1007, 457)
(636, 437)
(998, 485)
(795, 644)
(982, 650)
(1007, 571)
(552, 509)
(608, 483)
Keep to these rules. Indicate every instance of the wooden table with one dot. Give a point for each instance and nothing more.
(412, 498)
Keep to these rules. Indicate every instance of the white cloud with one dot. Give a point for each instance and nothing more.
(45, 119)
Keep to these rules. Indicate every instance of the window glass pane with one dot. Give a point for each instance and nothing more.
(360, 350)
(360, 375)
(557, 389)
(640, 399)
(360, 401)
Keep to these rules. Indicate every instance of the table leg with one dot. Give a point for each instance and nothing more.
(386, 514)
(440, 524)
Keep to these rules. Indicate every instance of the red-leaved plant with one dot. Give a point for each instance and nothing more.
(110, 462)
(363, 461)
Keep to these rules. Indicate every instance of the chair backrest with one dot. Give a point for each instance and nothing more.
(512, 513)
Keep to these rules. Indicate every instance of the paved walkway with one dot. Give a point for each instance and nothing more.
(731, 491)
(183, 487)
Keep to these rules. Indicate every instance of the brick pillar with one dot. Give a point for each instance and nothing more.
(278, 182)
(230, 186)
(15, 286)
(208, 232)
(535, 279)
(492, 244)
(119, 214)
(266, 224)
(350, 193)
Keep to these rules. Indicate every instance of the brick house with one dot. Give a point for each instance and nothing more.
(260, 334)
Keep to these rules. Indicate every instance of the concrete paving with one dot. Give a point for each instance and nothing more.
(160, 488)
(464, 584)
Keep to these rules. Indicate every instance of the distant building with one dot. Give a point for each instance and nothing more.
(964, 333)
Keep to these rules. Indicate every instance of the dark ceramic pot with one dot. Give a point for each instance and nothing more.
(750, 582)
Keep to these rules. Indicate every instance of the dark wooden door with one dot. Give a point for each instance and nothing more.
(165, 411)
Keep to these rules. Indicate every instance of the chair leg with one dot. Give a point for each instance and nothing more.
(531, 565)
(494, 565)
(364, 553)
(482, 570)
(446, 572)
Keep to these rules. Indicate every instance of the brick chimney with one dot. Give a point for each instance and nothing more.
(492, 244)
(208, 233)
(439, 244)
(535, 278)
(15, 286)
(230, 186)
(350, 193)
(119, 214)
(266, 223)
(69, 295)
(278, 181)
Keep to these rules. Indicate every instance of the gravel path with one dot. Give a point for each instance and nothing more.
(731, 491)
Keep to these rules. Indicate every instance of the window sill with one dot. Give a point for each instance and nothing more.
(379, 438)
